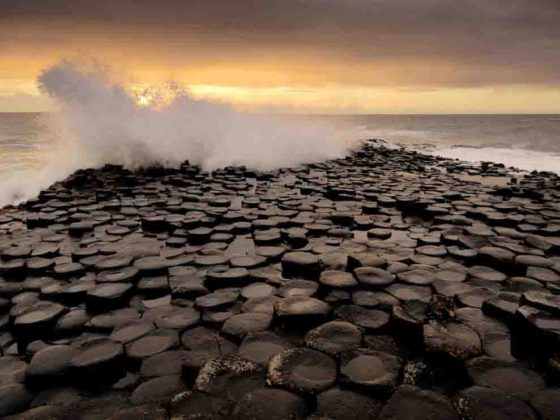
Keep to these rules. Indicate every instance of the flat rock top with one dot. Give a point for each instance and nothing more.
(96, 353)
(302, 370)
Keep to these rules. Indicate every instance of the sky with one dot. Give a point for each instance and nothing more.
(309, 56)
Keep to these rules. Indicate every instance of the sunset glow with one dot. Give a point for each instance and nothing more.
(349, 58)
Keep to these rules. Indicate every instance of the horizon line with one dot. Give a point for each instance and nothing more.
(356, 114)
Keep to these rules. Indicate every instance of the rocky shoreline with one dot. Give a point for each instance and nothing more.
(388, 284)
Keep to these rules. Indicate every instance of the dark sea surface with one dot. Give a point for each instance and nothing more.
(21, 141)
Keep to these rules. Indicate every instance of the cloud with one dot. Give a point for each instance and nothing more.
(410, 42)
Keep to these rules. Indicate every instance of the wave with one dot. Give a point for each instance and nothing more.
(100, 122)
(524, 159)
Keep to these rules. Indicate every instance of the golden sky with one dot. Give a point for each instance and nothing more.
(311, 56)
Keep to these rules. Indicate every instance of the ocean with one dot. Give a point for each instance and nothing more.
(21, 142)
(527, 142)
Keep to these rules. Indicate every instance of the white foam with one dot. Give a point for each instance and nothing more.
(519, 158)
(100, 122)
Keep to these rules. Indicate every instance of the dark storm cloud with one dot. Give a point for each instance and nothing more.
(485, 41)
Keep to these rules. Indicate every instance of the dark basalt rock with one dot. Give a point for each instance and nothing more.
(152, 265)
(50, 365)
(487, 403)
(164, 364)
(16, 252)
(62, 396)
(450, 289)
(200, 405)
(203, 344)
(199, 235)
(270, 403)
(542, 300)
(496, 255)
(302, 370)
(366, 298)
(424, 404)
(364, 260)
(187, 287)
(405, 292)
(108, 321)
(475, 297)
(545, 403)
(155, 224)
(301, 310)
(211, 260)
(432, 250)
(38, 319)
(294, 288)
(409, 318)
(14, 398)
(373, 320)
(418, 277)
(379, 233)
(373, 277)
(300, 265)
(545, 275)
(248, 261)
(13, 269)
(450, 276)
(334, 337)
(173, 317)
(453, 339)
(510, 378)
(466, 254)
(535, 332)
(158, 389)
(486, 273)
(131, 331)
(533, 260)
(147, 411)
(154, 286)
(114, 262)
(441, 309)
(123, 275)
(67, 270)
(39, 265)
(74, 293)
(271, 253)
(503, 306)
(12, 370)
(261, 346)
(228, 375)
(152, 343)
(98, 362)
(108, 296)
(236, 277)
(258, 290)
(303, 268)
(373, 371)
(217, 300)
(340, 404)
(243, 324)
(337, 279)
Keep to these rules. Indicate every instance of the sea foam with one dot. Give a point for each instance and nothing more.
(99, 122)
(105, 124)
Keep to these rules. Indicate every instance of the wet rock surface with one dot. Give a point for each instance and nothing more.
(388, 284)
